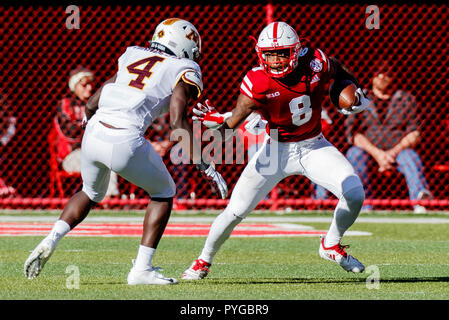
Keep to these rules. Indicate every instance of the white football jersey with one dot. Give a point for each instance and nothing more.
(143, 87)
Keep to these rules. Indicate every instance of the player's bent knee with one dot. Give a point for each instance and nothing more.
(94, 196)
(237, 212)
(169, 191)
(234, 214)
(354, 198)
(231, 219)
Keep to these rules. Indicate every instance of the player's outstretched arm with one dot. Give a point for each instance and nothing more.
(229, 120)
(182, 93)
(178, 120)
(245, 106)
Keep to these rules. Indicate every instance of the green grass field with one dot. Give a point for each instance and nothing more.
(412, 260)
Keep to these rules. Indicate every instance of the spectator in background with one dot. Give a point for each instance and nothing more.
(387, 132)
(70, 113)
(7, 131)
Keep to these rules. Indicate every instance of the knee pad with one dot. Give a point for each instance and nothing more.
(232, 217)
(93, 195)
(165, 191)
(354, 198)
(235, 212)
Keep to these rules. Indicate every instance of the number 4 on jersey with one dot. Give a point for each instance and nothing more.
(142, 73)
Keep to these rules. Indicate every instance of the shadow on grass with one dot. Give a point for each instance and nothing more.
(325, 280)
(234, 281)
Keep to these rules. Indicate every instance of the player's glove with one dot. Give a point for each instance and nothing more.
(214, 178)
(209, 116)
(362, 105)
(256, 125)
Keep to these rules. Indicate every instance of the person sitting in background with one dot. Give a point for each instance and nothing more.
(70, 113)
(7, 131)
(387, 132)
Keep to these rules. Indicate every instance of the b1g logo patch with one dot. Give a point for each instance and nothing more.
(316, 65)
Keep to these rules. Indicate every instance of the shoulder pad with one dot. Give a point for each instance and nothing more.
(193, 77)
(190, 73)
(256, 80)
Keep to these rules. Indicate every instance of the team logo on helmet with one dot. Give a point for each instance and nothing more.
(303, 52)
(170, 21)
(193, 36)
(160, 34)
(316, 65)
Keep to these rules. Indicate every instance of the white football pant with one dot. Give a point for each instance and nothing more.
(315, 158)
(125, 152)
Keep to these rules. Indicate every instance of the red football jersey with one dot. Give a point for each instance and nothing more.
(294, 111)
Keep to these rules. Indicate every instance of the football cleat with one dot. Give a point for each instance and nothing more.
(37, 259)
(198, 270)
(337, 253)
(149, 276)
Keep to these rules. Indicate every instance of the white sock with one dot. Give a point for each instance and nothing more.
(219, 232)
(144, 260)
(60, 229)
(345, 214)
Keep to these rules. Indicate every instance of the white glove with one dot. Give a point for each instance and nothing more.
(256, 125)
(215, 178)
(209, 116)
(363, 104)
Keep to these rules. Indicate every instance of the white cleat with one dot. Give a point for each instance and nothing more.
(37, 259)
(338, 254)
(197, 271)
(149, 276)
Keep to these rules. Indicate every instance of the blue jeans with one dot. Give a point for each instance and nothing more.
(320, 193)
(408, 163)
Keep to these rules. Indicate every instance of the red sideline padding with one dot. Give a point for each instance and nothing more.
(201, 204)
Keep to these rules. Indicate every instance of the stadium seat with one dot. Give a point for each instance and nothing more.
(59, 148)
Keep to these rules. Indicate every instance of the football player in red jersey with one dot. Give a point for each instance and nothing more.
(287, 89)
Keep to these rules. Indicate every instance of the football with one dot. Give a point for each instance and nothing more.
(342, 94)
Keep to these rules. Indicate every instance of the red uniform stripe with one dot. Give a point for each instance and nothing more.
(275, 32)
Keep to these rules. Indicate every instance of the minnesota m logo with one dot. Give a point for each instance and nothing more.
(193, 36)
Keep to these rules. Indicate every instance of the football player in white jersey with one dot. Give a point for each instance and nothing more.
(149, 82)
